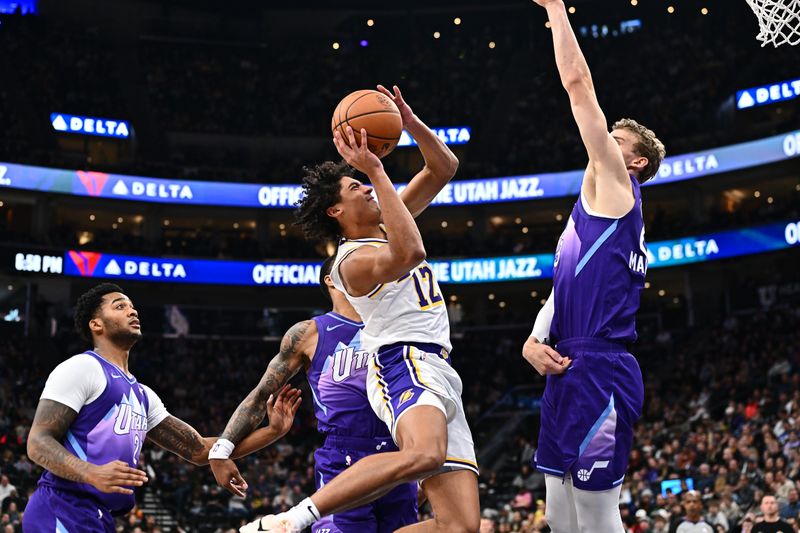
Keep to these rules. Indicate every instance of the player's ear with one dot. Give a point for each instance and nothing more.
(640, 163)
(96, 325)
(334, 211)
(329, 282)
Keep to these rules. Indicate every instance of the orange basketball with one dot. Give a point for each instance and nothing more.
(373, 111)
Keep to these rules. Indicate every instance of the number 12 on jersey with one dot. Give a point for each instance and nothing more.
(425, 285)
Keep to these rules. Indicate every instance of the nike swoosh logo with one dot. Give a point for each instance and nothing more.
(115, 376)
(331, 328)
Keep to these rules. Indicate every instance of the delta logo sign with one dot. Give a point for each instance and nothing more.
(93, 182)
(82, 263)
(450, 136)
(95, 264)
(768, 94)
(100, 127)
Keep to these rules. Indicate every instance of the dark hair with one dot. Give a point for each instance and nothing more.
(87, 306)
(325, 270)
(321, 191)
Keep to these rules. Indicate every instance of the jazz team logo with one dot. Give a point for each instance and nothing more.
(85, 262)
(93, 181)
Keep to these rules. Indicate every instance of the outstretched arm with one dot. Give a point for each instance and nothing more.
(367, 267)
(178, 437)
(295, 351)
(50, 424)
(295, 345)
(607, 184)
(440, 162)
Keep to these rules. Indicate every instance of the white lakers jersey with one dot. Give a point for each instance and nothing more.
(408, 309)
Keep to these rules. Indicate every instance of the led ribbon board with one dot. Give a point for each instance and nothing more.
(688, 250)
(467, 192)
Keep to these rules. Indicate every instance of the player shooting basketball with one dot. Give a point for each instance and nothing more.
(410, 383)
(594, 390)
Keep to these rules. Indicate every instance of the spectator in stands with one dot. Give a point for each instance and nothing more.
(791, 508)
(704, 480)
(643, 523)
(772, 522)
(660, 521)
(6, 488)
(715, 516)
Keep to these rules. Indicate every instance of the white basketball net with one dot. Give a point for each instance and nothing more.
(779, 21)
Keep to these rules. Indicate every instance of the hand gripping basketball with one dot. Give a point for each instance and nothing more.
(374, 111)
(397, 97)
(357, 155)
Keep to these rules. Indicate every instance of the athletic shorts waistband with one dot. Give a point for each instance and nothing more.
(428, 347)
(590, 344)
(361, 444)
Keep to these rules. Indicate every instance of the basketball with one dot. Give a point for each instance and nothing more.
(373, 111)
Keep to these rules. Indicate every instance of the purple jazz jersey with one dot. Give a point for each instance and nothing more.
(337, 376)
(338, 379)
(598, 273)
(588, 413)
(111, 428)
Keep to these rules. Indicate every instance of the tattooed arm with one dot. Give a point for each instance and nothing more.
(295, 352)
(178, 437)
(50, 424)
(297, 349)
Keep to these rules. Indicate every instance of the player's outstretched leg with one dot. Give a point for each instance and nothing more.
(455, 504)
(422, 438)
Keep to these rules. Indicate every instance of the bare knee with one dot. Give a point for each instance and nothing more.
(416, 463)
(461, 524)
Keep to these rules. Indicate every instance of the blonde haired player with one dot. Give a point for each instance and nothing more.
(594, 390)
(410, 382)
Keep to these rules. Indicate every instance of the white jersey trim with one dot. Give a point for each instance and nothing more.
(157, 411)
(592, 212)
(80, 380)
(76, 382)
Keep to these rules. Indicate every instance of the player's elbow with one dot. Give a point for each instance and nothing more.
(31, 447)
(578, 85)
(414, 255)
(409, 258)
(34, 445)
(452, 166)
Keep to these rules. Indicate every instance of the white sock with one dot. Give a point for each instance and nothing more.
(303, 514)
